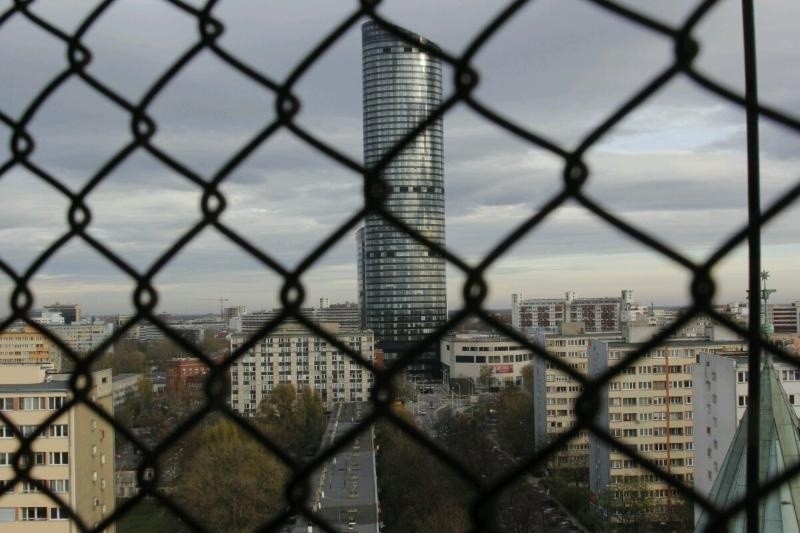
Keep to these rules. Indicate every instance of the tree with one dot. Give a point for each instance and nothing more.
(515, 421)
(527, 378)
(229, 481)
(485, 378)
(296, 422)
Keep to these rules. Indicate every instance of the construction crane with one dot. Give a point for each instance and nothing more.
(221, 305)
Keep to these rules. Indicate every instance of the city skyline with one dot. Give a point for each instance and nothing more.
(675, 167)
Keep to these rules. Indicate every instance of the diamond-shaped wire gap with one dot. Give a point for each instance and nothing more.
(223, 477)
(129, 60)
(33, 56)
(671, 13)
(575, 251)
(209, 269)
(535, 503)
(721, 59)
(77, 274)
(76, 131)
(416, 499)
(208, 112)
(426, 20)
(343, 487)
(33, 216)
(493, 182)
(288, 198)
(675, 167)
(141, 209)
(147, 515)
(65, 17)
(583, 69)
(330, 95)
(274, 44)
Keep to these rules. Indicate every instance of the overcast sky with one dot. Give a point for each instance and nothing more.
(675, 167)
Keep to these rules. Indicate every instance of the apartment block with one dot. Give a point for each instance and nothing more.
(22, 344)
(73, 457)
(648, 407)
(82, 338)
(556, 392)
(292, 354)
(604, 314)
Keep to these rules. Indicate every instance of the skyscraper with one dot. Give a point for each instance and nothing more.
(403, 296)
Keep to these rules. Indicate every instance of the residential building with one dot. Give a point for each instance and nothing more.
(23, 344)
(649, 407)
(83, 338)
(73, 456)
(404, 293)
(555, 392)
(467, 355)
(292, 354)
(597, 314)
(125, 386)
(785, 317)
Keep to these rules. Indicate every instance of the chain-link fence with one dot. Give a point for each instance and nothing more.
(143, 126)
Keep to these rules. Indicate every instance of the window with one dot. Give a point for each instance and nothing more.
(5, 432)
(6, 458)
(59, 458)
(55, 402)
(58, 430)
(59, 485)
(6, 404)
(27, 431)
(28, 487)
(33, 513)
(32, 404)
(58, 513)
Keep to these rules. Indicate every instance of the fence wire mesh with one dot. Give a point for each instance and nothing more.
(576, 173)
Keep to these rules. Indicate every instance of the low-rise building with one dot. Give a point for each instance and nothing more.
(125, 386)
(292, 354)
(73, 456)
(468, 355)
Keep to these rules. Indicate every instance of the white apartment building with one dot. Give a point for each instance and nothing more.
(83, 337)
(292, 354)
(649, 407)
(74, 456)
(720, 391)
(465, 354)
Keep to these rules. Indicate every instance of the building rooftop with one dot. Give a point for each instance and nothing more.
(46, 386)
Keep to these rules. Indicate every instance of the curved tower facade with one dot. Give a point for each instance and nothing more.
(404, 294)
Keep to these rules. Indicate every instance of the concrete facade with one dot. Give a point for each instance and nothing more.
(464, 354)
(649, 406)
(292, 354)
(74, 456)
